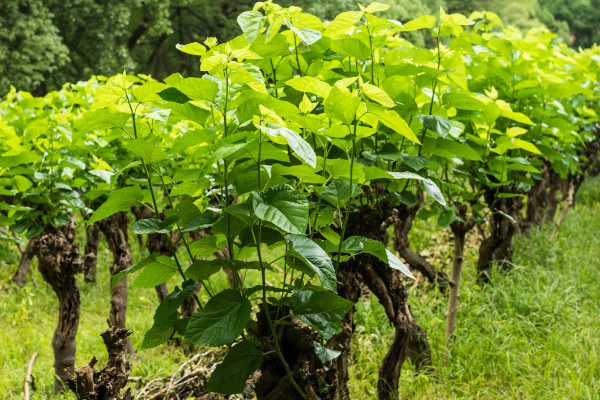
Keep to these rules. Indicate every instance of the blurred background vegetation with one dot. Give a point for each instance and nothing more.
(44, 43)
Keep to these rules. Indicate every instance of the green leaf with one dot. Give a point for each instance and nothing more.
(149, 91)
(439, 125)
(341, 105)
(173, 95)
(324, 354)
(231, 375)
(201, 221)
(251, 22)
(172, 302)
(310, 84)
(342, 23)
(154, 225)
(451, 149)
(337, 193)
(358, 244)
(283, 206)
(377, 94)
(315, 257)
(193, 48)
(146, 150)
(352, 47)
(434, 191)
(221, 321)
(294, 140)
(157, 272)
(201, 270)
(463, 101)
(157, 335)
(205, 246)
(422, 22)
(321, 309)
(430, 187)
(118, 201)
(221, 153)
(147, 261)
(307, 35)
(392, 120)
(101, 119)
(194, 88)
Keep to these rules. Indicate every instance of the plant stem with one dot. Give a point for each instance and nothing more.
(155, 203)
(264, 297)
(339, 255)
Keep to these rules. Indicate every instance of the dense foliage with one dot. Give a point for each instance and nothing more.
(285, 164)
(67, 41)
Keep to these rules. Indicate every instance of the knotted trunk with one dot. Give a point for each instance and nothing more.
(296, 340)
(506, 220)
(106, 384)
(114, 229)
(93, 236)
(20, 276)
(402, 227)
(58, 262)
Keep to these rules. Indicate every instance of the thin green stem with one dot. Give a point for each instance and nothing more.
(155, 203)
(343, 233)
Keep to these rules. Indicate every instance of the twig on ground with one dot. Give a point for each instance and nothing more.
(29, 376)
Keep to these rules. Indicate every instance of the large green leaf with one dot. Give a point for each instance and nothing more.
(321, 309)
(221, 321)
(439, 125)
(337, 193)
(101, 119)
(146, 150)
(118, 201)
(307, 35)
(231, 375)
(294, 140)
(341, 105)
(430, 187)
(147, 261)
(251, 22)
(283, 206)
(172, 302)
(310, 84)
(358, 244)
(392, 120)
(219, 154)
(351, 47)
(315, 257)
(154, 225)
(157, 272)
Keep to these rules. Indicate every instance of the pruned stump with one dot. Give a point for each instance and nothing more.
(106, 384)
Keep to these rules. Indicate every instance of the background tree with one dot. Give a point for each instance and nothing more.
(31, 48)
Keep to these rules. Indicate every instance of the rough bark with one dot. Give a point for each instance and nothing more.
(296, 340)
(459, 230)
(402, 227)
(498, 245)
(93, 236)
(386, 283)
(114, 229)
(58, 261)
(20, 276)
(106, 384)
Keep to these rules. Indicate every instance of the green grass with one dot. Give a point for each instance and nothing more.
(534, 333)
(29, 316)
